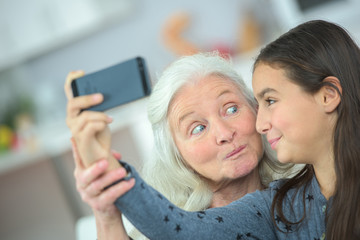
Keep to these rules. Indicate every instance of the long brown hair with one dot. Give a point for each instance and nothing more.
(309, 53)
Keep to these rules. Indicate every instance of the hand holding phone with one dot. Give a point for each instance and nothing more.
(122, 83)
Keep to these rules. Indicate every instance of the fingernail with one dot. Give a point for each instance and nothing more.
(97, 97)
(116, 155)
(102, 163)
(110, 119)
(121, 171)
(131, 181)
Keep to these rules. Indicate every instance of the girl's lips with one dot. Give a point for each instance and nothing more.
(273, 142)
(236, 151)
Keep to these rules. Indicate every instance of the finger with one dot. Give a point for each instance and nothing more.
(117, 190)
(75, 105)
(86, 177)
(69, 78)
(76, 125)
(98, 186)
(77, 159)
(90, 130)
(116, 154)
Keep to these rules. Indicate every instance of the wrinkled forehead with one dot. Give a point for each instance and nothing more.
(208, 86)
(197, 95)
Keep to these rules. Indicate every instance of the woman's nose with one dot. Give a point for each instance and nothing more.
(224, 132)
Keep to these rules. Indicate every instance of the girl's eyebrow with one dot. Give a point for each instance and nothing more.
(261, 94)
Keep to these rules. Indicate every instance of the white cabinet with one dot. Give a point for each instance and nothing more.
(29, 28)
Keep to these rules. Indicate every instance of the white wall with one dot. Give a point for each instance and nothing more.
(34, 197)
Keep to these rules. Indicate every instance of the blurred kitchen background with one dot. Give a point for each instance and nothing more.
(41, 41)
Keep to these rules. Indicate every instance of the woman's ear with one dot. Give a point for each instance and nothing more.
(330, 94)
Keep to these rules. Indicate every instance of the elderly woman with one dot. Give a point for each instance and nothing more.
(207, 151)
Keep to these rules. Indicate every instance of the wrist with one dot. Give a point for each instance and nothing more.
(113, 163)
(106, 221)
(110, 227)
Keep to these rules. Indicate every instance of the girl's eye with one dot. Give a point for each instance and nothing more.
(231, 110)
(270, 101)
(198, 129)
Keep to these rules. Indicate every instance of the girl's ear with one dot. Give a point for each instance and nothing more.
(330, 94)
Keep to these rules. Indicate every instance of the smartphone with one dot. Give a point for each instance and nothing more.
(121, 83)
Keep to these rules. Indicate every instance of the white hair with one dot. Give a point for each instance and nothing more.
(167, 171)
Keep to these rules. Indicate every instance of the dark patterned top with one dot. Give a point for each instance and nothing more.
(247, 218)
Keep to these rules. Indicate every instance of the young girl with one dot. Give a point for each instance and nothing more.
(307, 84)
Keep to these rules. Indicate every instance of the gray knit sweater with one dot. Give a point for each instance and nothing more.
(246, 218)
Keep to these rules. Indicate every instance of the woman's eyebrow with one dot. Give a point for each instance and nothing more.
(223, 92)
(184, 116)
(189, 113)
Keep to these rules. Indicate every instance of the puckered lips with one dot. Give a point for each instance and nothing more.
(235, 151)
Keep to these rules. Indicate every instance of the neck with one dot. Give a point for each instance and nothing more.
(231, 190)
(326, 177)
(324, 162)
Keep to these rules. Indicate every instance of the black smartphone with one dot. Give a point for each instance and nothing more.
(122, 83)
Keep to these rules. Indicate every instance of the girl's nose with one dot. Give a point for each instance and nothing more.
(262, 124)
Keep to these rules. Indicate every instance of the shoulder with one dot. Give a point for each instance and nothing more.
(274, 186)
(260, 200)
(263, 197)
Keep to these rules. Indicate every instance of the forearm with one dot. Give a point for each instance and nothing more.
(157, 218)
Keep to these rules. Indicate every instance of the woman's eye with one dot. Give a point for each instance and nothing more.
(198, 129)
(231, 110)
